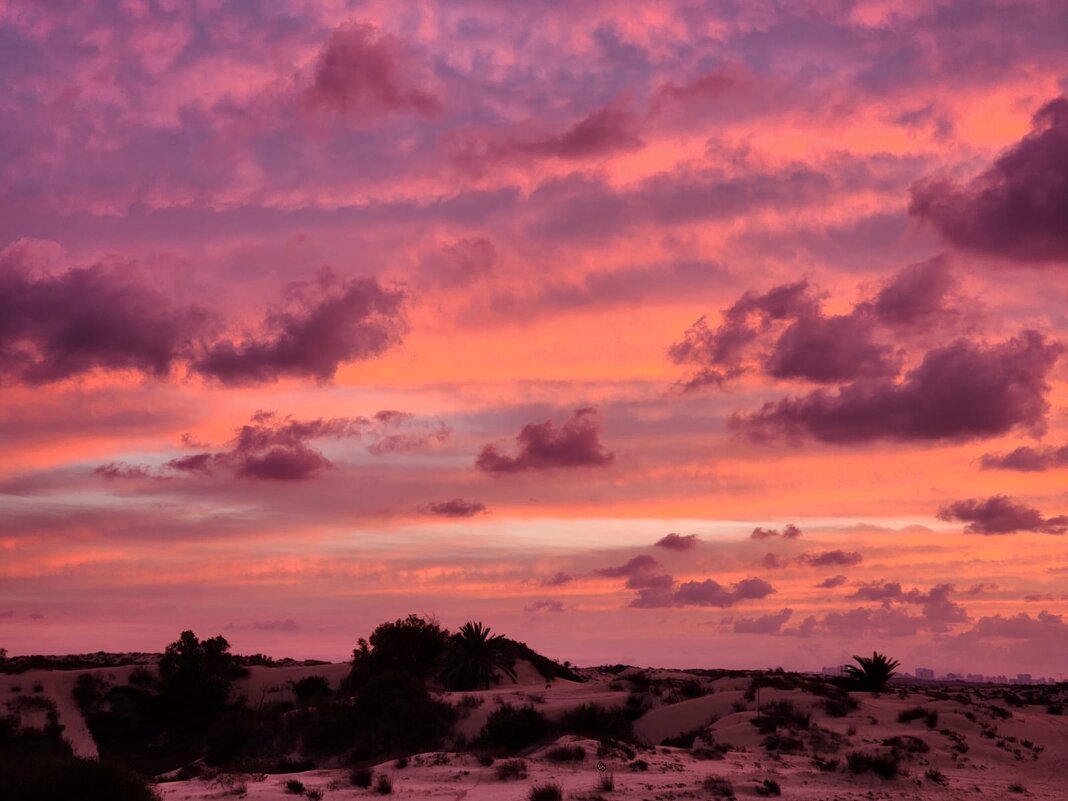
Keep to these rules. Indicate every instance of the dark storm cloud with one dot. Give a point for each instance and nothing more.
(543, 446)
(1000, 514)
(1016, 209)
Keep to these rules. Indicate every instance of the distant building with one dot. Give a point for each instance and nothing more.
(924, 673)
(977, 678)
(1023, 678)
(835, 670)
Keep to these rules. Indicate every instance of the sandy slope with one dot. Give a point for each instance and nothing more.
(976, 755)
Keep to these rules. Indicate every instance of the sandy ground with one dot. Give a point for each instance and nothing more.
(988, 765)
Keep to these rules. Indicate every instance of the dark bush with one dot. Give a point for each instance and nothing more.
(930, 716)
(566, 753)
(908, 744)
(783, 743)
(294, 787)
(839, 707)
(768, 787)
(781, 713)
(511, 770)
(195, 680)
(718, 786)
(936, 776)
(384, 785)
(607, 782)
(546, 792)
(311, 688)
(401, 763)
(411, 646)
(639, 764)
(510, 729)
(597, 723)
(885, 765)
(360, 777)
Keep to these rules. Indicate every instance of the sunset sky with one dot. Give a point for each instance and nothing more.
(695, 334)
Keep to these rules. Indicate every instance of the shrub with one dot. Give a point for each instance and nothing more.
(195, 680)
(639, 764)
(288, 765)
(607, 782)
(769, 787)
(546, 792)
(827, 765)
(142, 677)
(401, 763)
(930, 716)
(314, 795)
(885, 765)
(781, 713)
(38, 687)
(1055, 709)
(598, 723)
(412, 646)
(566, 753)
(311, 687)
(361, 777)
(384, 785)
(294, 787)
(839, 708)
(783, 743)
(718, 786)
(485, 760)
(908, 744)
(511, 770)
(512, 729)
(1016, 787)
(936, 776)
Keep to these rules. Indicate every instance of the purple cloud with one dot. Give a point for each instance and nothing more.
(1027, 459)
(541, 446)
(1017, 208)
(831, 583)
(457, 507)
(830, 558)
(678, 542)
(764, 624)
(1000, 514)
(961, 391)
(791, 532)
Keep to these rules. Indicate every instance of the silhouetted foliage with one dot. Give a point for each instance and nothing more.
(566, 753)
(510, 770)
(195, 680)
(873, 672)
(597, 723)
(511, 729)
(929, 716)
(885, 765)
(311, 688)
(412, 646)
(546, 792)
(473, 656)
(361, 777)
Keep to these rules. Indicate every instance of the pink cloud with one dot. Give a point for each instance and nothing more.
(541, 446)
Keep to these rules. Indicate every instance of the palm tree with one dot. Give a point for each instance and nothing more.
(874, 671)
(473, 657)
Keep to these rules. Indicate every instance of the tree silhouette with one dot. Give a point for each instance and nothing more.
(874, 671)
(195, 679)
(473, 657)
(412, 646)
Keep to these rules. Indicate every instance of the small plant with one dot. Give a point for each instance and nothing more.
(546, 792)
(827, 765)
(885, 765)
(401, 763)
(360, 777)
(314, 795)
(1016, 787)
(769, 787)
(607, 783)
(511, 770)
(929, 716)
(384, 785)
(38, 687)
(294, 787)
(566, 753)
(718, 786)
(485, 760)
(639, 764)
(936, 776)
